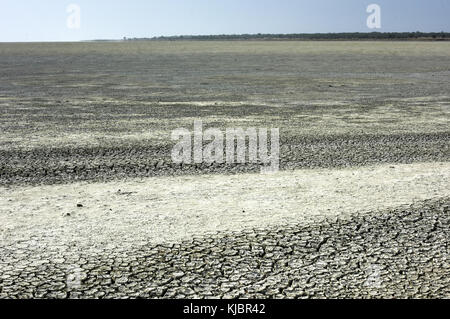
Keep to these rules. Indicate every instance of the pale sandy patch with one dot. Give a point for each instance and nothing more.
(169, 209)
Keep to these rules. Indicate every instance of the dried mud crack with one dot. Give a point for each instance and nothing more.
(68, 165)
(92, 205)
(400, 252)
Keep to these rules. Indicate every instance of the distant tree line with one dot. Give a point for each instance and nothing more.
(442, 36)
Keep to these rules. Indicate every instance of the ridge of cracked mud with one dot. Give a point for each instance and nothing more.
(65, 165)
(396, 253)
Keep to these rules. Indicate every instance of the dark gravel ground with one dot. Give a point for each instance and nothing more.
(65, 165)
(397, 253)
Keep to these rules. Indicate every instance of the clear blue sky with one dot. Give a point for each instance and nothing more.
(45, 20)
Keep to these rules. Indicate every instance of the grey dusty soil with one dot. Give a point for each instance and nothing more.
(91, 204)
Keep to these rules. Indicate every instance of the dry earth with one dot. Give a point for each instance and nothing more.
(360, 207)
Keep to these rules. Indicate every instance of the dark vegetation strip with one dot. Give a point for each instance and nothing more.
(310, 36)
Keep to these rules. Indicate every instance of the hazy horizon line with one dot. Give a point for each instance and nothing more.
(181, 36)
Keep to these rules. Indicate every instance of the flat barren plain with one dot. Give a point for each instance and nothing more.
(92, 205)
